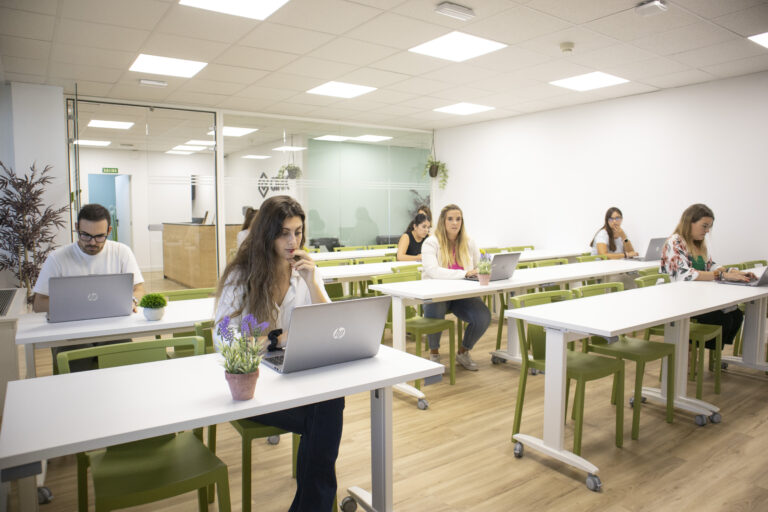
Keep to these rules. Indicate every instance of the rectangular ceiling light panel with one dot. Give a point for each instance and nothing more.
(115, 125)
(589, 81)
(457, 47)
(341, 90)
(254, 9)
(464, 109)
(156, 65)
(234, 131)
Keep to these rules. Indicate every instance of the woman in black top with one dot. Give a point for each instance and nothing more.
(409, 245)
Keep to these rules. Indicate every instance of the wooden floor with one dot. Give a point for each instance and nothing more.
(457, 455)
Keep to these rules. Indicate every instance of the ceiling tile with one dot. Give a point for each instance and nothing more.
(323, 15)
(266, 93)
(425, 103)
(501, 100)
(352, 51)
(516, 25)
(83, 33)
(389, 96)
(92, 56)
(647, 68)
(748, 22)
(581, 11)
(419, 86)
(314, 99)
(691, 76)
(425, 10)
(290, 82)
(584, 41)
(21, 77)
(38, 6)
(373, 77)
(231, 74)
(84, 87)
(333, 113)
(397, 110)
(610, 56)
(212, 26)
(541, 91)
(684, 38)
(255, 58)
(723, 52)
(195, 98)
(25, 48)
(143, 14)
(399, 31)
(211, 86)
(84, 72)
(714, 8)
(247, 104)
(464, 94)
(272, 36)
(506, 82)
(362, 104)
(626, 89)
(510, 59)
(410, 63)
(26, 24)
(554, 70)
(169, 45)
(628, 26)
(739, 67)
(289, 109)
(459, 74)
(317, 68)
(25, 66)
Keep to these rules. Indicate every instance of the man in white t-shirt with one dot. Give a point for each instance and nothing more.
(91, 254)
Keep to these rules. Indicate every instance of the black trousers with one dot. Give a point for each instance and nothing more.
(730, 322)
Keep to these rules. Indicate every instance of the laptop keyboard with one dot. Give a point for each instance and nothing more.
(275, 360)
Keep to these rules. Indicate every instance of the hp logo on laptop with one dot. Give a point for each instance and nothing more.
(93, 297)
(339, 333)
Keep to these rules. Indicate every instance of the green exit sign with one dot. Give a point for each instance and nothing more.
(109, 170)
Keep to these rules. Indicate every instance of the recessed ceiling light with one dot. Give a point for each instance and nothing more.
(188, 148)
(341, 90)
(117, 125)
(463, 109)
(371, 138)
(457, 47)
(174, 152)
(98, 143)
(589, 81)
(289, 148)
(195, 142)
(256, 10)
(234, 131)
(256, 157)
(761, 39)
(455, 11)
(651, 7)
(153, 83)
(333, 138)
(156, 65)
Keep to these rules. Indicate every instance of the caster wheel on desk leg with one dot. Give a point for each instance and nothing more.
(422, 404)
(534, 371)
(593, 483)
(715, 417)
(273, 439)
(700, 420)
(519, 450)
(497, 360)
(632, 401)
(723, 365)
(348, 505)
(44, 495)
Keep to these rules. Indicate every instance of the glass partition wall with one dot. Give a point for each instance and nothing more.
(154, 168)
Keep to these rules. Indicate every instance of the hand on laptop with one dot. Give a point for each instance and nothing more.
(471, 273)
(744, 277)
(632, 254)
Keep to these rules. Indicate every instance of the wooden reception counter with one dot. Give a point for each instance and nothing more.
(189, 252)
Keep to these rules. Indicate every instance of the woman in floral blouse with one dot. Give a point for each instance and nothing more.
(685, 258)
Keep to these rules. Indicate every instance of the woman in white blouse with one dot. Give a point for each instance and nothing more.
(611, 240)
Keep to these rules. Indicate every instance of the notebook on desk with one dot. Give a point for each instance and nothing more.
(89, 297)
(331, 333)
(502, 266)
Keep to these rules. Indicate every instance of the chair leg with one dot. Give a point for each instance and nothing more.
(578, 407)
(670, 387)
(246, 472)
(520, 399)
(452, 355)
(700, 369)
(202, 499)
(640, 370)
(417, 337)
(295, 440)
(620, 407)
(718, 357)
(567, 396)
(693, 351)
(222, 484)
(82, 482)
(502, 309)
(459, 333)
(212, 447)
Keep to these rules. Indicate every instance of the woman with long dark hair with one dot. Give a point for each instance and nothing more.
(268, 278)
(611, 240)
(409, 245)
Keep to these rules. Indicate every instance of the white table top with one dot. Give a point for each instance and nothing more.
(363, 271)
(444, 289)
(90, 410)
(343, 255)
(34, 328)
(548, 254)
(631, 310)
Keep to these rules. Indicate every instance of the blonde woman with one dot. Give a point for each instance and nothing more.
(451, 254)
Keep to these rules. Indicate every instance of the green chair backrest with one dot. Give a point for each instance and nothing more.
(382, 246)
(398, 277)
(591, 257)
(332, 263)
(549, 263)
(374, 259)
(652, 280)
(526, 264)
(649, 271)
(312, 249)
(349, 248)
(122, 354)
(490, 250)
(407, 268)
(533, 340)
(205, 331)
(189, 294)
(516, 248)
(753, 264)
(591, 290)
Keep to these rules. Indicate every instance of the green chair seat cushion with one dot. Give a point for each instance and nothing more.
(635, 349)
(250, 429)
(589, 367)
(427, 325)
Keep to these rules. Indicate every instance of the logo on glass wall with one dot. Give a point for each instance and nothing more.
(263, 188)
(267, 184)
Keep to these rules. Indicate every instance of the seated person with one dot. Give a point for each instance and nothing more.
(409, 245)
(685, 258)
(451, 254)
(91, 254)
(250, 214)
(611, 240)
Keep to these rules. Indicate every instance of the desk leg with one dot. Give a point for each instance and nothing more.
(398, 342)
(753, 334)
(381, 455)
(29, 356)
(26, 479)
(554, 408)
(678, 333)
(512, 353)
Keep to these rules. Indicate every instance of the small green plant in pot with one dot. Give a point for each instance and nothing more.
(153, 305)
(242, 354)
(436, 169)
(484, 269)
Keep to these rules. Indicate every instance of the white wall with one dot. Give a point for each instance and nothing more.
(550, 176)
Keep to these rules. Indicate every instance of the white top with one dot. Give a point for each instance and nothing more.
(602, 238)
(70, 260)
(241, 235)
(433, 270)
(297, 295)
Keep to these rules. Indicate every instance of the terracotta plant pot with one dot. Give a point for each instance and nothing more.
(242, 385)
(484, 279)
(153, 314)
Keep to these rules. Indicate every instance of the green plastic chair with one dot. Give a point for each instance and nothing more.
(653, 271)
(752, 264)
(634, 349)
(382, 246)
(419, 326)
(581, 367)
(591, 257)
(188, 294)
(336, 290)
(407, 268)
(374, 259)
(516, 248)
(131, 474)
(350, 248)
(490, 250)
(699, 335)
(550, 263)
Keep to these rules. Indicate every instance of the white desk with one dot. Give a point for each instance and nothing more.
(346, 273)
(440, 290)
(548, 254)
(344, 255)
(34, 331)
(90, 410)
(634, 310)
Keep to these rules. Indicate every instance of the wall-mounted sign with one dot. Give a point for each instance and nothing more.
(109, 170)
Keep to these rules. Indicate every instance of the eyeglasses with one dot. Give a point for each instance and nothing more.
(87, 237)
(614, 219)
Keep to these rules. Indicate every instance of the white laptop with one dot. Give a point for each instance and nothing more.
(761, 280)
(89, 297)
(653, 252)
(331, 333)
(502, 265)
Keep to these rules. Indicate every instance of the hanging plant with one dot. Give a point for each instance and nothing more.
(289, 171)
(436, 169)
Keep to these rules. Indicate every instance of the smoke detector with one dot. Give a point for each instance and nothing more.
(566, 47)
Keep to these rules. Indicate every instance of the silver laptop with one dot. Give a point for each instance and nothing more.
(653, 252)
(762, 280)
(89, 297)
(332, 333)
(502, 265)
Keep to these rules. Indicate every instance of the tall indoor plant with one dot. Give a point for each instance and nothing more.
(27, 226)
